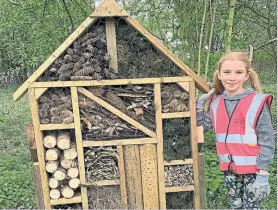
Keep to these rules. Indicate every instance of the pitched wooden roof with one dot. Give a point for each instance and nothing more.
(109, 8)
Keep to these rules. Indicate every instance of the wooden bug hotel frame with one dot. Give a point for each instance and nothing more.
(78, 116)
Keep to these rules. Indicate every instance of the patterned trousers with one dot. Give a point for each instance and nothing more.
(238, 186)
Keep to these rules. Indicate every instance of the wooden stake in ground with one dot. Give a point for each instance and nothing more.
(51, 166)
(50, 140)
(74, 183)
(60, 174)
(63, 140)
(54, 194)
(67, 192)
(52, 154)
(73, 172)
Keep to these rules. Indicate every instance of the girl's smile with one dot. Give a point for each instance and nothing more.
(233, 74)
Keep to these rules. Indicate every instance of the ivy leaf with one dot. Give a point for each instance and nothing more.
(214, 184)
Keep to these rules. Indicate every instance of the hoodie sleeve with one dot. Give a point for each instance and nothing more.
(203, 119)
(265, 135)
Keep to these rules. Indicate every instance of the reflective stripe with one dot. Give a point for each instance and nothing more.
(237, 138)
(239, 160)
(214, 106)
(252, 111)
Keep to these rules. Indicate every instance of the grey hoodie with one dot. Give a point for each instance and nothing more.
(264, 129)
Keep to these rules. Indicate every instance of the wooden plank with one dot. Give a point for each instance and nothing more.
(44, 127)
(109, 8)
(79, 146)
(110, 82)
(175, 115)
(102, 183)
(22, 89)
(121, 166)
(178, 162)
(40, 148)
(194, 143)
(75, 199)
(88, 143)
(149, 176)
(160, 158)
(184, 85)
(202, 181)
(201, 84)
(117, 112)
(179, 189)
(133, 176)
(111, 43)
(39, 92)
(38, 186)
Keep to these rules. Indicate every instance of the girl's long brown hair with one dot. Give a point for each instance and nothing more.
(239, 56)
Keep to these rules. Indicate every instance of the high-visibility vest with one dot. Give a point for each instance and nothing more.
(236, 139)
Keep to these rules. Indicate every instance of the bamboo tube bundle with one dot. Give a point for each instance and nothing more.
(174, 98)
(179, 175)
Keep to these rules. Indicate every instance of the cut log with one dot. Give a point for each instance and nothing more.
(60, 174)
(49, 141)
(52, 154)
(51, 166)
(71, 153)
(54, 194)
(67, 192)
(53, 183)
(73, 172)
(63, 140)
(74, 183)
(66, 164)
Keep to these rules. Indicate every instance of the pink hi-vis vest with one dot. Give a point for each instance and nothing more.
(238, 149)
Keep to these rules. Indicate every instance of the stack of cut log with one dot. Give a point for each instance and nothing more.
(55, 107)
(178, 176)
(100, 124)
(61, 164)
(174, 99)
(101, 163)
(85, 59)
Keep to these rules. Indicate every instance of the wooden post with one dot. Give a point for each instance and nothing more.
(40, 148)
(38, 186)
(111, 43)
(122, 176)
(159, 134)
(194, 144)
(79, 146)
(202, 182)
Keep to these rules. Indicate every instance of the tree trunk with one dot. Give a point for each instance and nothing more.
(230, 25)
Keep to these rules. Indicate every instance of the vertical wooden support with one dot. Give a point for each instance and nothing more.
(79, 146)
(40, 148)
(202, 182)
(38, 186)
(149, 176)
(111, 43)
(159, 134)
(133, 177)
(122, 177)
(194, 144)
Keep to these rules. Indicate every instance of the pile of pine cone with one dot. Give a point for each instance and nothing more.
(178, 176)
(55, 107)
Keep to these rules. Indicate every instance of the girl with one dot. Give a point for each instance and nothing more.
(241, 121)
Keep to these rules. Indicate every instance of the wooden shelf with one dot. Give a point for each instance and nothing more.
(75, 199)
(178, 162)
(179, 189)
(88, 143)
(102, 183)
(175, 115)
(44, 127)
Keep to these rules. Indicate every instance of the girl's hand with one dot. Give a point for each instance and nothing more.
(201, 101)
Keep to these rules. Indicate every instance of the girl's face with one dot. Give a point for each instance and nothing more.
(233, 74)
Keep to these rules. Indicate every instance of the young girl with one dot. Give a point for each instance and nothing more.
(241, 121)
